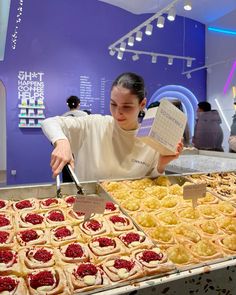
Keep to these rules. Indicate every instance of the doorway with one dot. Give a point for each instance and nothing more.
(3, 141)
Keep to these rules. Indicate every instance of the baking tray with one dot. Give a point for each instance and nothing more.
(41, 191)
(179, 179)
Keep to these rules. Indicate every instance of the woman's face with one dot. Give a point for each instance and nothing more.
(125, 107)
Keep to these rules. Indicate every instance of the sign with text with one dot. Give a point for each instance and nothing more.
(163, 127)
(89, 205)
(194, 191)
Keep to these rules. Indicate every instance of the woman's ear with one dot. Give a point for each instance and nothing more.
(143, 103)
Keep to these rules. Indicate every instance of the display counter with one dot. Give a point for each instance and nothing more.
(203, 161)
(216, 277)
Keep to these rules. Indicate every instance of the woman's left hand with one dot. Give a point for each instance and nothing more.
(164, 160)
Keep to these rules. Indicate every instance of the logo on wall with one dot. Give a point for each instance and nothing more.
(31, 95)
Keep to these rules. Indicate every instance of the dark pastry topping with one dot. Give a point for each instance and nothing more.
(62, 232)
(122, 263)
(23, 204)
(3, 220)
(56, 216)
(74, 251)
(110, 206)
(7, 284)
(104, 242)
(49, 202)
(86, 269)
(6, 256)
(131, 237)
(28, 235)
(151, 255)
(94, 224)
(43, 278)
(34, 218)
(3, 236)
(116, 219)
(43, 255)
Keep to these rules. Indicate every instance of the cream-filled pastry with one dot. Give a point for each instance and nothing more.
(37, 257)
(114, 186)
(226, 208)
(176, 189)
(74, 252)
(122, 268)
(49, 203)
(151, 204)
(120, 223)
(188, 214)
(208, 199)
(170, 201)
(13, 285)
(50, 281)
(168, 218)
(208, 211)
(86, 277)
(111, 208)
(9, 262)
(162, 181)
(5, 204)
(227, 224)
(157, 191)
(102, 247)
(7, 238)
(94, 227)
(64, 234)
(76, 217)
(6, 220)
(135, 240)
(140, 183)
(153, 261)
(32, 237)
(138, 194)
(30, 220)
(70, 200)
(54, 218)
(28, 204)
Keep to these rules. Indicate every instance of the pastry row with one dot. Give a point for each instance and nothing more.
(83, 274)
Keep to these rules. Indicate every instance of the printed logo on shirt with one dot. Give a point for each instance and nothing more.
(140, 162)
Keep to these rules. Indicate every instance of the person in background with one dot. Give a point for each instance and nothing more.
(186, 135)
(73, 103)
(208, 134)
(106, 147)
(88, 112)
(232, 137)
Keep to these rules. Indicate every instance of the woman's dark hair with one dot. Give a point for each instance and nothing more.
(73, 101)
(205, 106)
(133, 82)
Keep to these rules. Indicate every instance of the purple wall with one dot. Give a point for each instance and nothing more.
(69, 38)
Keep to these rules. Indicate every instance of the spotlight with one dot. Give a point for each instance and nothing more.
(122, 46)
(170, 61)
(148, 30)
(187, 5)
(160, 22)
(112, 52)
(171, 14)
(188, 76)
(135, 57)
(139, 36)
(189, 63)
(131, 41)
(120, 55)
(154, 59)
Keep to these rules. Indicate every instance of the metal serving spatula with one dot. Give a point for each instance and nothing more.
(58, 184)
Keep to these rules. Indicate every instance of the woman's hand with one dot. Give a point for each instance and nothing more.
(164, 160)
(61, 156)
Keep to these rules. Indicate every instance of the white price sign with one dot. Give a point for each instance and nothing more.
(194, 191)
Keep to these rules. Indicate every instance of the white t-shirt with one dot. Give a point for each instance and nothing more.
(75, 113)
(103, 150)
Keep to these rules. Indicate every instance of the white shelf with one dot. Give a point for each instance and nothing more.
(31, 117)
(30, 107)
(28, 126)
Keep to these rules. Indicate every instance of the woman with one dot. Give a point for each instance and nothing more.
(105, 147)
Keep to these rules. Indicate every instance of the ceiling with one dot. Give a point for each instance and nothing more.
(204, 11)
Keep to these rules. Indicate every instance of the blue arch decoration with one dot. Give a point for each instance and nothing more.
(187, 98)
